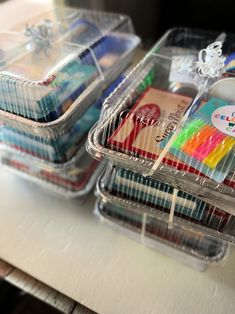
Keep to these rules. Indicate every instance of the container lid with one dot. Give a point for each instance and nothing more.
(47, 64)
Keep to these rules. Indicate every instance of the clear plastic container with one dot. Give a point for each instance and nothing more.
(181, 41)
(55, 73)
(192, 248)
(60, 148)
(140, 194)
(144, 118)
(82, 25)
(60, 67)
(74, 178)
(41, 86)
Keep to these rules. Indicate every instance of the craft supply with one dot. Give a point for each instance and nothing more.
(219, 152)
(52, 90)
(208, 146)
(47, 100)
(198, 139)
(135, 139)
(147, 81)
(57, 64)
(203, 145)
(63, 147)
(188, 132)
(151, 192)
(138, 132)
(139, 194)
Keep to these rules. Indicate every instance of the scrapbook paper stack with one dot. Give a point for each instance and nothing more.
(168, 135)
(54, 76)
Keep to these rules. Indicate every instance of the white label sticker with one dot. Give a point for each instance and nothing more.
(223, 119)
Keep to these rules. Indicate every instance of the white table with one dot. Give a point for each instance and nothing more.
(61, 243)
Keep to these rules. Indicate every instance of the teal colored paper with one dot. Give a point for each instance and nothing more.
(130, 191)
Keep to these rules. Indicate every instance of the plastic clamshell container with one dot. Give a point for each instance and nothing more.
(140, 194)
(84, 26)
(61, 148)
(47, 86)
(194, 249)
(41, 85)
(182, 41)
(75, 178)
(142, 115)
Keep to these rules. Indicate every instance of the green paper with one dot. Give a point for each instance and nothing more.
(188, 131)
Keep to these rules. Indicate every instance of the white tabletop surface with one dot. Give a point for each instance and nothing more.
(61, 243)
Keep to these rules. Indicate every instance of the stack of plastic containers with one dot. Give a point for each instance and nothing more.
(167, 131)
(54, 77)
